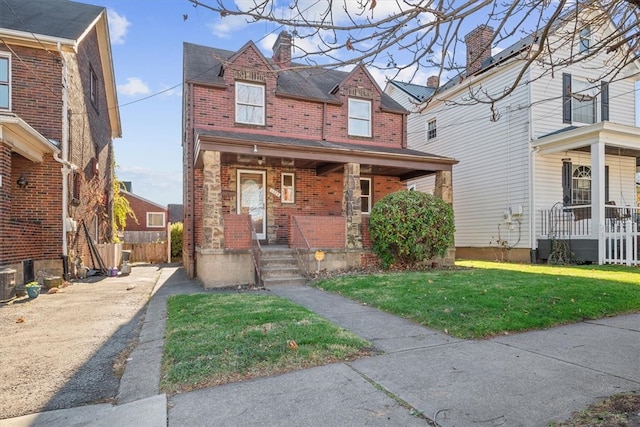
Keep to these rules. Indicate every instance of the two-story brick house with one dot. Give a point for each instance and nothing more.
(150, 222)
(58, 115)
(296, 155)
(549, 172)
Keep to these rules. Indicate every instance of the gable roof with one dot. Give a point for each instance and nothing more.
(61, 19)
(204, 65)
(417, 92)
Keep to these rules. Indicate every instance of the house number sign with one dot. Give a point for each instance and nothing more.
(255, 76)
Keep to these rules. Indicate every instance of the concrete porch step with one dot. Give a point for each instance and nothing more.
(284, 281)
(279, 266)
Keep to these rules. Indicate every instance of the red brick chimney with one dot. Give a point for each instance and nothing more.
(433, 82)
(478, 44)
(282, 50)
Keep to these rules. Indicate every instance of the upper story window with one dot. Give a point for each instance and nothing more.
(5, 82)
(585, 39)
(359, 117)
(93, 88)
(155, 219)
(249, 103)
(432, 130)
(365, 195)
(580, 100)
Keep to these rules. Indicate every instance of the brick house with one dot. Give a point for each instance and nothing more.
(294, 157)
(151, 224)
(58, 115)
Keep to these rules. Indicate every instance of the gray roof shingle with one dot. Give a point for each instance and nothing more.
(62, 19)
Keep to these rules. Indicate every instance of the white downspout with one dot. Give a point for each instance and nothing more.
(66, 166)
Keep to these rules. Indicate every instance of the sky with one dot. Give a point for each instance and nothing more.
(147, 38)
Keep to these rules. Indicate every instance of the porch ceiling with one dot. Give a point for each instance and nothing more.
(323, 156)
(619, 139)
(24, 139)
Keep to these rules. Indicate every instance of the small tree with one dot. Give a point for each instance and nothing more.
(410, 227)
(176, 240)
(121, 209)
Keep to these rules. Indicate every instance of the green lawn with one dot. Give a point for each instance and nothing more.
(213, 339)
(481, 299)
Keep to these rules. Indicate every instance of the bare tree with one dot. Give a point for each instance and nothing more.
(407, 38)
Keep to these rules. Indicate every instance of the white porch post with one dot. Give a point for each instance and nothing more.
(597, 196)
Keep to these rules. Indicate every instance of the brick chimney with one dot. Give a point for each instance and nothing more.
(478, 44)
(433, 82)
(282, 50)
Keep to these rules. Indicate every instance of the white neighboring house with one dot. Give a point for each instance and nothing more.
(551, 172)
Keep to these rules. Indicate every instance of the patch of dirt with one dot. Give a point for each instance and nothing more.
(620, 410)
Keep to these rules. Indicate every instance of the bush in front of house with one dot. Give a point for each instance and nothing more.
(176, 240)
(409, 228)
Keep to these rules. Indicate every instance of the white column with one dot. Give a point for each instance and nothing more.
(597, 196)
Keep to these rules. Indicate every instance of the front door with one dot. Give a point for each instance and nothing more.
(252, 198)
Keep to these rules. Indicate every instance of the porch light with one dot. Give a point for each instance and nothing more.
(22, 181)
(255, 148)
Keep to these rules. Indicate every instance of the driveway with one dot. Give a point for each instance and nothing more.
(59, 350)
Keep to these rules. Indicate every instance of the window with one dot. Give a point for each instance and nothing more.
(431, 129)
(288, 188)
(249, 103)
(585, 39)
(576, 184)
(580, 100)
(5, 84)
(93, 88)
(365, 195)
(359, 117)
(155, 219)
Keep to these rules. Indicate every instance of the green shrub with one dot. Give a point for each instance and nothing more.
(410, 227)
(176, 240)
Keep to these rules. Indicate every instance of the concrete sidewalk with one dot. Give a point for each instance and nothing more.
(525, 379)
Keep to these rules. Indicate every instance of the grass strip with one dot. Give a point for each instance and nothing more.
(212, 339)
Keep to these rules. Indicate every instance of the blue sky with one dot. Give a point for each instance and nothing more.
(147, 38)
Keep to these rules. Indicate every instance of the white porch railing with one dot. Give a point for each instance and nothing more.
(621, 229)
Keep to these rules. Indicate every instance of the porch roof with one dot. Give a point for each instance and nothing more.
(619, 139)
(324, 156)
(24, 139)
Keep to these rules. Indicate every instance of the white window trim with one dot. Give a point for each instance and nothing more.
(292, 199)
(433, 130)
(156, 226)
(577, 94)
(262, 105)
(8, 56)
(367, 119)
(369, 196)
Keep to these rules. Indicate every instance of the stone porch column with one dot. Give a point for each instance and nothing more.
(351, 207)
(212, 222)
(444, 186)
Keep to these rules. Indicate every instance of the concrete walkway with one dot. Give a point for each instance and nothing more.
(525, 379)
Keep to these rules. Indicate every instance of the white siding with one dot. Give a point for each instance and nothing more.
(493, 173)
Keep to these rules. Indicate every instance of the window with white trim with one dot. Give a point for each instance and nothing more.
(250, 103)
(581, 185)
(432, 130)
(359, 117)
(584, 101)
(5, 82)
(365, 195)
(288, 189)
(155, 219)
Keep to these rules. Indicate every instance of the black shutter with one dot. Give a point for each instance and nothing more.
(566, 98)
(604, 100)
(567, 177)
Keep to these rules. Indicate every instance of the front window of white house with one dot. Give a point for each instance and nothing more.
(583, 101)
(581, 185)
(5, 84)
(155, 219)
(359, 117)
(249, 103)
(432, 130)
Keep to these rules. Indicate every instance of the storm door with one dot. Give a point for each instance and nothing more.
(252, 198)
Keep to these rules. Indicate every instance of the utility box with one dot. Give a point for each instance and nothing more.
(7, 284)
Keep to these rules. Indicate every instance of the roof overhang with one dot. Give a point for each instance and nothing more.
(320, 155)
(23, 139)
(619, 139)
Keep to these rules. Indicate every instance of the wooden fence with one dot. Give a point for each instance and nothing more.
(153, 253)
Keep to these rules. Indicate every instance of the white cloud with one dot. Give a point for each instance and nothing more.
(118, 26)
(225, 27)
(134, 86)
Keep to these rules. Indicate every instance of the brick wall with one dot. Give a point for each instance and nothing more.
(236, 231)
(325, 232)
(140, 207)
